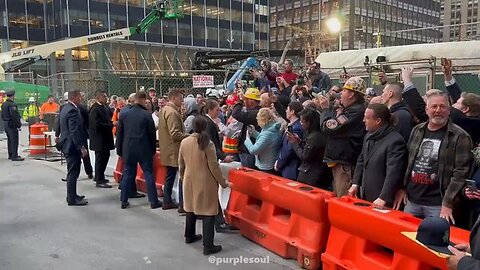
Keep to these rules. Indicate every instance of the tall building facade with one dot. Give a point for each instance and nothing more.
(460, 19)
(167, 45)
(360, 21)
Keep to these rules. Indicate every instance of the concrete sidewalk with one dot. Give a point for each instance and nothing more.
(39, 231)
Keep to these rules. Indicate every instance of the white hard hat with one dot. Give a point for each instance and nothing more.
(212, 93)
(65, 96)
(31, 99)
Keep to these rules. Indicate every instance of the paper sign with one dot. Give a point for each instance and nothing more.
(203, 81)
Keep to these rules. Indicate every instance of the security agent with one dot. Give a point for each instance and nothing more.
(12, 125)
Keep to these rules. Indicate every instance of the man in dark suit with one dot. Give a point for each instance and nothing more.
(136, 143)
(87, 165)
(212, 111)
(73, 143)
(101, 137)
(382, 162)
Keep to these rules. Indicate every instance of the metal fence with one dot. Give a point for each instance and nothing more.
(123, 83)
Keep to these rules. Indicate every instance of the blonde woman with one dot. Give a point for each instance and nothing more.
(268, 141)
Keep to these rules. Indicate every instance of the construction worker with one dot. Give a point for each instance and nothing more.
(49, 111)
(30, 114)
(12, 125)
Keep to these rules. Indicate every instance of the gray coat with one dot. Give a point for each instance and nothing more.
(381, 165)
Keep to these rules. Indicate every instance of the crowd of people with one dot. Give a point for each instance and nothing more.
(399, 150)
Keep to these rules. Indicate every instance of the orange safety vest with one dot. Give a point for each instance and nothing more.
(230, 145)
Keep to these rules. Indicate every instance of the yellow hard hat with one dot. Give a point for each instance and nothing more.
(252, 93)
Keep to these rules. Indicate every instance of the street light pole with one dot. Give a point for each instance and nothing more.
(340, 41)
(335, 26)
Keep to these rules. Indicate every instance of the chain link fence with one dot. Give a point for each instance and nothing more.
(123, 83)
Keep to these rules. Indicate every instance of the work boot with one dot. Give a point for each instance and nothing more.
(212, 250)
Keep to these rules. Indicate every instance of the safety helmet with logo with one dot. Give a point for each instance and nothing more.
(252, 93)
(356, 84)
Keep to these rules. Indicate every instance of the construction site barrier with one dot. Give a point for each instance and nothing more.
(286, 217)
(38, 141)
(117, 173)
(159, 174)
(364, 238)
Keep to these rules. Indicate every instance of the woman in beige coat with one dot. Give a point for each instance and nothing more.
(201, 175)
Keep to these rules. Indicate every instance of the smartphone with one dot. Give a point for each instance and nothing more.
(472, 185)
(290, 129)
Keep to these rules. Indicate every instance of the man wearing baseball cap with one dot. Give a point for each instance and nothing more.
(12, 125)
(345, 130)
(251, 101)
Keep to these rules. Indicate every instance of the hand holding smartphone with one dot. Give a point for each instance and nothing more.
(471, 185)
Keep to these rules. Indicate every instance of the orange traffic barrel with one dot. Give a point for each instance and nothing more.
(37, 139)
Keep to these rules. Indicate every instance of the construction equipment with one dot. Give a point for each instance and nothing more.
(162, 9)
(311, 50)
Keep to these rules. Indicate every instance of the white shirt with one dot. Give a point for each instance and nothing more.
(155, 119)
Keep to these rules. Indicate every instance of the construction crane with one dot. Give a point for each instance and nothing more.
(311, 50)
(162, 9)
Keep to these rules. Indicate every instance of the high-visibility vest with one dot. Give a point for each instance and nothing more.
(230, 145)
(30, 111)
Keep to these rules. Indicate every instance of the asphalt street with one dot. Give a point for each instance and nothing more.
(39, 231)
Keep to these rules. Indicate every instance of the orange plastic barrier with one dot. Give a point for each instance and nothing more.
(159, 174)
(364, 238)
(37, 139)
(286, 217)
(117, 173)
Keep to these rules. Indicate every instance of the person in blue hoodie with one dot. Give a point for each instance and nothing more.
(288, 162)
(268, 141)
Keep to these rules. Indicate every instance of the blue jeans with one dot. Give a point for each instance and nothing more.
(168, 187)
(128, 178)
(422, 211)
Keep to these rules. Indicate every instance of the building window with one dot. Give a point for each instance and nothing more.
(118, 21)
(98, 19)
(135, 3)
(236, 15)
(198, 10)
(169, 28)
(212, 12)
(198, 31)
(261, 27)
(248, 37)
(224, 13)
(247, 17)
(184, 30)
(261, 9)
(224, 34)
(212, 33)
